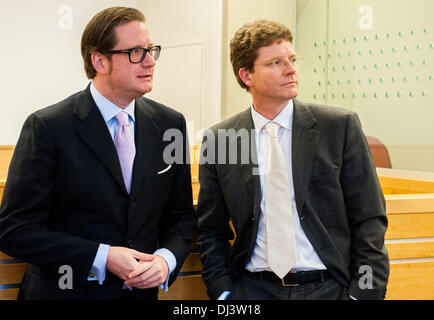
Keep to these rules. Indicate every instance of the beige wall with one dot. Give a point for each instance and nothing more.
(188, 73)
(40, 59)
(46, 65)
(235, 14)
(412, 157)
(362, 55)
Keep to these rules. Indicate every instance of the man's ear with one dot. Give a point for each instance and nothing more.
(245, 77)
(100, 63)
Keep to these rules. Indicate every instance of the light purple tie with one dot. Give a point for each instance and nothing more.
(125, 147)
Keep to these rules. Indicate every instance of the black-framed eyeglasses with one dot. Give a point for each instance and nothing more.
(137, 55)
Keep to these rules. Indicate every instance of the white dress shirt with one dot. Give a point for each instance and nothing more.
(306, 257)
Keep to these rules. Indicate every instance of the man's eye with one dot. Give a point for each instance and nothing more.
(135, 51)
(277, 62)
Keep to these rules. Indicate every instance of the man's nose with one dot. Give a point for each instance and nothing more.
(290, 67)
(148, 61)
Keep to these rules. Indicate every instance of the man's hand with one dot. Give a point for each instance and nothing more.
(123, 261)
(149, 274)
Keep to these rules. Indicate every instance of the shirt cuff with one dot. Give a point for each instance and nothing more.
(98, 270)
(170, 259)
(224, 295)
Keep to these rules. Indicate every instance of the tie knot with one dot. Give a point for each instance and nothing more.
(122, 118)
(272, 129)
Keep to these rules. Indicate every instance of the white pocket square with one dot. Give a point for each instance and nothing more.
(165, 170)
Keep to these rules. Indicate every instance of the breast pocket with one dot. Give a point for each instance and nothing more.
(163, 171)
(162, 176)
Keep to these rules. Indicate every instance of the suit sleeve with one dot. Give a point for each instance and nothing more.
(29, 193)
(365, 207)
(179, 218)
(214, 229)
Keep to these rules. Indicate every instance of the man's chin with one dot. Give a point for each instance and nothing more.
(146, 90)
(292, 95)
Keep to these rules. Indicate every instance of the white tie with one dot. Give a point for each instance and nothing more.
(278, 212)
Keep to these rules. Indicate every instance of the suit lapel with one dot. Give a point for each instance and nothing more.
(146, 136)
(248, 171)
(304, 144)
(95, 134)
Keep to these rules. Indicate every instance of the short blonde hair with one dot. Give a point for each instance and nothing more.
(249, 38)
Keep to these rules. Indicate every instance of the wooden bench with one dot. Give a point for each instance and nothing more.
(410, 234)
(11, 270)
(409, 239)
(6, 153)
(11, 274)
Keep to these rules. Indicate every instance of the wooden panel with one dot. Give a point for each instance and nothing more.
(194, 164)
(195, 186)
(411, 225)
(6, 153)
(4, 256)
(410, 210)
(12, 273)
(9, 273)
(411, 281)
(194, 160)
(2, 187)
(391, 191)
(185, 288)
(192, 263)
(9, 294)
(409, 203)
(405, 182)
(402, 185)
(411, 250)
(405, 174)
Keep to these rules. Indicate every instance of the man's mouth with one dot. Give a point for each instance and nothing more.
(148, 77)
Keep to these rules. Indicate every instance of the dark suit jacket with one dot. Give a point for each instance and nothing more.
(65, 194)
(338, 197)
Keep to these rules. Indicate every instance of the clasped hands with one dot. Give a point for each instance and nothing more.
(137, 269)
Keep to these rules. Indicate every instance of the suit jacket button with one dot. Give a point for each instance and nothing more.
(253, 219)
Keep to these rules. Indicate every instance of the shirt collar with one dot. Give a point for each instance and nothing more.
(107, 108)
(284, 118)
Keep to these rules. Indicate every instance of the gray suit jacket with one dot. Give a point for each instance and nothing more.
(338, 197)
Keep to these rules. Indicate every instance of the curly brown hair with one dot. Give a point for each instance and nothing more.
(249, 38)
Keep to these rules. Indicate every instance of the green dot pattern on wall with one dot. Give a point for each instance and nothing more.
(389, 65)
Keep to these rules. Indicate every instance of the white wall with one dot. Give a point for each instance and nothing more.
(188, 74)
(41, 64)
(235, 14)
(362, 55)
(40, 59)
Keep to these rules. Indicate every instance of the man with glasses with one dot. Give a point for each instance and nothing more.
(88, 187)
(307, 208)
